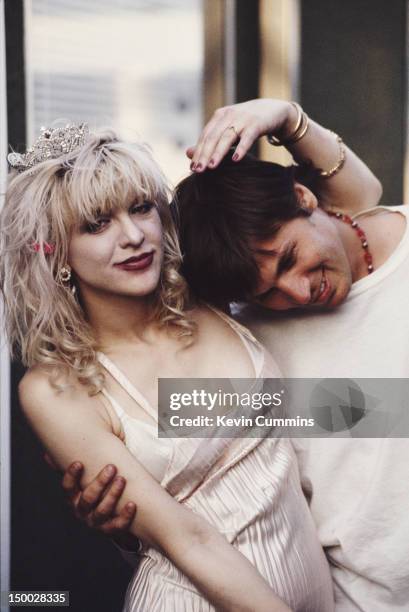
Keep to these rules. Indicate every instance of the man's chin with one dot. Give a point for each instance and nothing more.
(338, 296)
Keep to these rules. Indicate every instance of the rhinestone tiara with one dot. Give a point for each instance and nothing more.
(51, 144)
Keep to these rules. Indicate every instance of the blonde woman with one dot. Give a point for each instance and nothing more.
(96, 309)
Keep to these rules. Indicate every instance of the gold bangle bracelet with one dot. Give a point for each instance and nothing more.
(276, 142)
(302, 132)
(341, 160)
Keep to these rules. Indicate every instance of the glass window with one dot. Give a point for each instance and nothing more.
(136, 65)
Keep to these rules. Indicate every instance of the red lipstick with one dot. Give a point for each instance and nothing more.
(140, 262)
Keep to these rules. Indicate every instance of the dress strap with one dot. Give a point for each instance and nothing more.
(238, 327)
(252, 345)
(127, 385)
(115, 405)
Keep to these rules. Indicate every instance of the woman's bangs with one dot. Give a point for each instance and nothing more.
(118, 177)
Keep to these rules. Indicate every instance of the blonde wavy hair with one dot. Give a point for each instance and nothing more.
(44, 321)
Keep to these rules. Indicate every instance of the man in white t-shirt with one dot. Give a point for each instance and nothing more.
(360, 486)
(257, 233)
(329, 298)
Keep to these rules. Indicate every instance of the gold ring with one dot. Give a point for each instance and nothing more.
(231, 127)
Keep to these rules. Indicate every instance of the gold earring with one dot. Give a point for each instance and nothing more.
(64, 274)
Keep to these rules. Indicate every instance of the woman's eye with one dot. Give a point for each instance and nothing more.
(143, 208)
(94, 228)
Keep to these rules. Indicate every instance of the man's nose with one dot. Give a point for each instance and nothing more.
(296, 288)
(131, 232)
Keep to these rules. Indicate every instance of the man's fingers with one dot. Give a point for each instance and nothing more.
(106, 509)
(92, 493)
(50, 462)
(122, 522)
(71, 479)
(190, 152)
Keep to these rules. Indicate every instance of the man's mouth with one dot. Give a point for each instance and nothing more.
(324, 289)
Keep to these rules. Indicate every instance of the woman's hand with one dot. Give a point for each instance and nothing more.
(353, 189)
(244, 122)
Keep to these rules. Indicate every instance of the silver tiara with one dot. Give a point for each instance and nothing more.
(51, 144)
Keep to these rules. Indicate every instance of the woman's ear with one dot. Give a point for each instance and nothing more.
(306, 198)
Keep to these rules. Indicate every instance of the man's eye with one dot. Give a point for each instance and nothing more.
(142, 209)
(266, 294)
(287, 261)
(97, 226)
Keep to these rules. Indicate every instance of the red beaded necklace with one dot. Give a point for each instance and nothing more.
(361, 235)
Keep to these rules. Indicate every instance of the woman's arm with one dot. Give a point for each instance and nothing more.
(352, 189)
(70, 425)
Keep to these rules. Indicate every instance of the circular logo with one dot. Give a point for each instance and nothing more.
(337, 404)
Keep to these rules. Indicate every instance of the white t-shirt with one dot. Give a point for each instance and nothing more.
(360, 486)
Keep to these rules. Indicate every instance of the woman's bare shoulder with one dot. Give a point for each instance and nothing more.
(36, 390)
(37, 395)
(35, 383)
(209, 324)
(220, 345)
(37, 380)
(205, 315)
(219, 320)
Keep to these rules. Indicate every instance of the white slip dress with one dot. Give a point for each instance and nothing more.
(248, 489)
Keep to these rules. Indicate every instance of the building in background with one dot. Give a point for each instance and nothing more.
(136, 65)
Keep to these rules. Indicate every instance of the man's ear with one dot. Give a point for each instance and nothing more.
(306, 198)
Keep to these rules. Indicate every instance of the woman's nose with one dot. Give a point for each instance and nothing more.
(131, 232)
(296, 288)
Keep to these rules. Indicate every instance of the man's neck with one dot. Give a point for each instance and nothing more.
(384, 231)
(353, 250)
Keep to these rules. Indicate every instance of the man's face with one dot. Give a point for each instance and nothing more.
(303, 266)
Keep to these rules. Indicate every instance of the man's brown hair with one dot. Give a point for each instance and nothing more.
(221, 212)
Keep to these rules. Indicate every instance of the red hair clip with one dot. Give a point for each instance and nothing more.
(46, 247)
